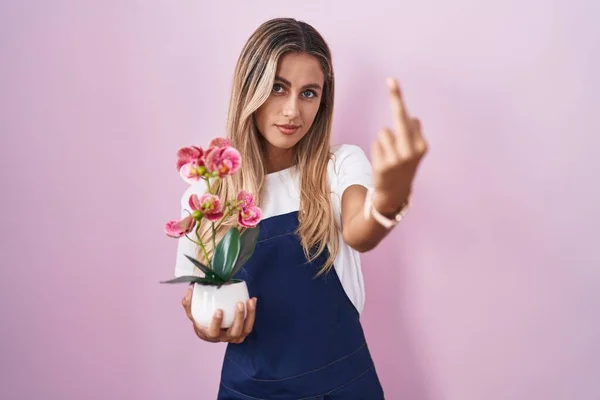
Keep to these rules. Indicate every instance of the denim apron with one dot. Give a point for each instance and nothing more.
(307, 341)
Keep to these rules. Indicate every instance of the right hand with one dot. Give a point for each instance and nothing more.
(235, 334)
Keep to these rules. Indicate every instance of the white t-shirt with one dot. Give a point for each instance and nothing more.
(349, 166)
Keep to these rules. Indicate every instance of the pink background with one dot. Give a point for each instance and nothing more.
(490, 288)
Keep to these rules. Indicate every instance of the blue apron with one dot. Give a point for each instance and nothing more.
(307, 341)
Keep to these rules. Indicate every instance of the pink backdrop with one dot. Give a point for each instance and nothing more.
(490, 288)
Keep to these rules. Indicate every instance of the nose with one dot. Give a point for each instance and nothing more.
(290, 108)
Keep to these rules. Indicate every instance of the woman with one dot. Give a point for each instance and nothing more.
(322, 206)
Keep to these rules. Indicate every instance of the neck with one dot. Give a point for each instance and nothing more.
(278, 159)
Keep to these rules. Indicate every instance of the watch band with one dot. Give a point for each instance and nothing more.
(370, 210)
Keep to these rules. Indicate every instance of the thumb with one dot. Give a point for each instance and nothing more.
(187, 302)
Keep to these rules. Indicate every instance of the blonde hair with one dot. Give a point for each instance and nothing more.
(252, 85)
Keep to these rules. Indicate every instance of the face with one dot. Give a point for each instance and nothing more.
(290, 110)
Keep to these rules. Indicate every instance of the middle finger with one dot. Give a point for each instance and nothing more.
(238, 322)
(400, 115)
(214, 330)
(249, 324)
(186, 303)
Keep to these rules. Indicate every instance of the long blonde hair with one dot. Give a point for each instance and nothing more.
(252, 85)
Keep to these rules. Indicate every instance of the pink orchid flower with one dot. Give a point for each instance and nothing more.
(249, 217)
(223, 161)
(208, 204)
(190, 154)
(191, 163)
(245, 199)
(219, 142)
(179, 228)
(192, 173)
(216, 144)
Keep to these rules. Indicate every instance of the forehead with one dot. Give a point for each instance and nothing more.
(300, 69)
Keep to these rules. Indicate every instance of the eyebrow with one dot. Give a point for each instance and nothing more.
(309, 86)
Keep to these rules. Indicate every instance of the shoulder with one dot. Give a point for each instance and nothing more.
(344, 156)
(349, 165)
(341, 152)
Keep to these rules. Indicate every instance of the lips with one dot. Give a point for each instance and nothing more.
(287, 129)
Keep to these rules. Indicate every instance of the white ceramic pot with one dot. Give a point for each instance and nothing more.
(207, 299)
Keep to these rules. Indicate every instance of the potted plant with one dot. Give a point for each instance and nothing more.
(216, 288)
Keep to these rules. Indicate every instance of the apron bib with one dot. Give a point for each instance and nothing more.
(307, 341)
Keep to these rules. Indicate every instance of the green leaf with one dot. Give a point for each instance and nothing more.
(184, 279)
(209, 282)
(226, 254)
(210, 274)
(248, 244)
(195, 279)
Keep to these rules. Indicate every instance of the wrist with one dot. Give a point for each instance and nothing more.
(386, 213)
(387, 207)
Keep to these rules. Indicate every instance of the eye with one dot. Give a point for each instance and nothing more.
(309, 94)
(277, 88)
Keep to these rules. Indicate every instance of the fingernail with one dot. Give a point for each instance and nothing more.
(240, 307)
(391, 83)
(218, 313)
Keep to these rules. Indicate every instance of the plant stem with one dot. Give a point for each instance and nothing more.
(202, 245)
(192, 240)
(206, 255)
(214, 233)
(223, 218)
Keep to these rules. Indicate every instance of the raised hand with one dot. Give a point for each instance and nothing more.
(396, 156)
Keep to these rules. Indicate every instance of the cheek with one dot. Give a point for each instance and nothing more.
(264, 115)
(310, 112)
(260, 117)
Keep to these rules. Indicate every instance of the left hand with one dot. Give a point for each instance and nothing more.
(242, 326)
(396, 156)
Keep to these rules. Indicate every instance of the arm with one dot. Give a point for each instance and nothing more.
(362, 234)
(395, 158)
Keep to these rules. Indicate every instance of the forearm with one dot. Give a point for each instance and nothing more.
(364, 234)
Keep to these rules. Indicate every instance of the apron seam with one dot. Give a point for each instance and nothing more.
(302, 374)
(310, 397)
(342, 386)
(347, 383)
(275, 237)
